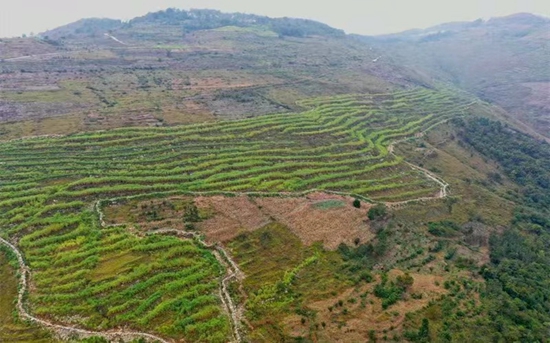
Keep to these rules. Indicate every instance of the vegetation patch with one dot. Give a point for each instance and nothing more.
(12, 329)
(325, 205)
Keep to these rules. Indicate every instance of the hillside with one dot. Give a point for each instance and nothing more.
(502, 60)
(149, 72)
(199, 176)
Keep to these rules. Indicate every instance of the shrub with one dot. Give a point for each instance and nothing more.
(191, 213)
(405, 281)
(445, 228)
(377, 212)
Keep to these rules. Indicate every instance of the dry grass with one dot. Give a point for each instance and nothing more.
(306, 217)
(312, 223)
(232, 216)
(352, 321)
(467, 173)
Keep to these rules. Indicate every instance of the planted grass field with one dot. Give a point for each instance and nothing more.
(107, 277)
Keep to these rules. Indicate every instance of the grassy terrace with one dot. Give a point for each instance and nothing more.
(103, 278)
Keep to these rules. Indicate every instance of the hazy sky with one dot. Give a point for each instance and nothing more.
(354, 16)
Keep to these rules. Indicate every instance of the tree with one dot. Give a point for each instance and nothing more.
(378, 211)
(424, 332)
(357, 203)
(405, 281)
(372, 336)
(450, 201)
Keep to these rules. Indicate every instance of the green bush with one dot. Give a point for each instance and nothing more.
(377, 212)
(445, 228)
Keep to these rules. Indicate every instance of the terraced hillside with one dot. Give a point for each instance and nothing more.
(170, 70)
(103, 278)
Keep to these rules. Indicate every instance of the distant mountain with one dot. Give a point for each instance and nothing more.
(236, 64)
(501, 60)
(199, 19)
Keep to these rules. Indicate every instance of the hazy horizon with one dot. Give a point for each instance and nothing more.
(353, 16)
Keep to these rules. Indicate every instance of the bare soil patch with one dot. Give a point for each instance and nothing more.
(232, 216)
(318, 217)
(352, 321)
(310, 220)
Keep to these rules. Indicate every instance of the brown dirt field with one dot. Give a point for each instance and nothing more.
(229, 216)
(332, 226)
(359, 321)
(232, 216)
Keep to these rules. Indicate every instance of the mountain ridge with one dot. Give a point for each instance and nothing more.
(204, 19)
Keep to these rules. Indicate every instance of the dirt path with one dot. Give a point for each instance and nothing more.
(32, 57)
(443, 191)
(115, 39)
(232, 273)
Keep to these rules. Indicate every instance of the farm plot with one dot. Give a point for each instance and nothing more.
(102, 278)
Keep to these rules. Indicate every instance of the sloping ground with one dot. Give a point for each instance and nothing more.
(317, 217)
(12, 330)
(324, 218)
(93, 277)
(163, 77)
(362, 311)
(505, 61)
(20, 47)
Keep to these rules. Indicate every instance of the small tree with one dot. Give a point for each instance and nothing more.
(191, 213)
(378, 211)
(357, 203)
(424, 332)
(372, 336)
(450, 201)
(405, 281)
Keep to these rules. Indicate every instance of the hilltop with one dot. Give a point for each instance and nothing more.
(193, 20)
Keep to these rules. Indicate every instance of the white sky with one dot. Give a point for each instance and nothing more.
(354, 16)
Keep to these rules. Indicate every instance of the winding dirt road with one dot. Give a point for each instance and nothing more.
(443, 191)
(232, 273)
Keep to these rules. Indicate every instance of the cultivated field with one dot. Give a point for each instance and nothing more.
(103, 278)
